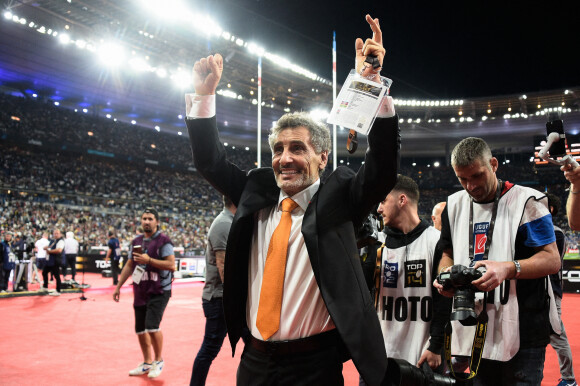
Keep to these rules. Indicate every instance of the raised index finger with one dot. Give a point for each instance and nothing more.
(377, 33)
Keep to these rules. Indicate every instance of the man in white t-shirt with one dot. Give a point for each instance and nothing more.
(54, 258)
(39, 258)
(71, 250)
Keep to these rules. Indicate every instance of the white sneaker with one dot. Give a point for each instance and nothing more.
(55, 293)
(143, 368)
(156, 369)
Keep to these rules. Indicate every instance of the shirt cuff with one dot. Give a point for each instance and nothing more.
(199, 106)
(387, 109)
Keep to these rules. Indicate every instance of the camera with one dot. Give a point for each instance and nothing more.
(558, 148)
(460, 278)
(401, 373)
(368, 233)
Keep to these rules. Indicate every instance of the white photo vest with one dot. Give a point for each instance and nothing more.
(503, 340)
(405, 308)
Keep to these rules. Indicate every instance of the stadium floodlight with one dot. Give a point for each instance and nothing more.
(161, 72)
(8, 15)
(319, 114)
(255, 49)
(81, 44)
(205, 24)
(64, 39)
(165, 9)
(139, 64)
(111, 54)
(181, 79)
(227, 93)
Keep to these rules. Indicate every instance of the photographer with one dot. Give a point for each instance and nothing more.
(407, 263)
(507, 230)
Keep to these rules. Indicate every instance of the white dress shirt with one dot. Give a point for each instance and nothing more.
(303, 311)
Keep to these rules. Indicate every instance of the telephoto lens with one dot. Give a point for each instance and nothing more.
(402, 373)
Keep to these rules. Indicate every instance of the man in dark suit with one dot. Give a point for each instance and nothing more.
(325, 315)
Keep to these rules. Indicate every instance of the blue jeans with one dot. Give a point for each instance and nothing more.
(525, 368)
(215, 333)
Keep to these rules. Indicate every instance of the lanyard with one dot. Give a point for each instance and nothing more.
(491, 223)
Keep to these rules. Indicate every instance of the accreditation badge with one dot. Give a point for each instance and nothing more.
(480, 238)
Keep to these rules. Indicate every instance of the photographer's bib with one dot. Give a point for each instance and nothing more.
(405, 306)
(503, 340)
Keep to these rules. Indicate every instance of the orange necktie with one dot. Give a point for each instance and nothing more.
(268, 320)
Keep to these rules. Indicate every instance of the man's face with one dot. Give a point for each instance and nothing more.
(294, 160)
(389, 208)
(478, 180)
(56, 234)
(8, 237)
(149, 223)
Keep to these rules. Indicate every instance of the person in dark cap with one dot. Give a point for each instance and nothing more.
(151, 264)
(113, 255)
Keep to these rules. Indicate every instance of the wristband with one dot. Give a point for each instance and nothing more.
(518, 269)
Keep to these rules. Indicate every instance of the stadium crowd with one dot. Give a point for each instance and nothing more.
(54, 174)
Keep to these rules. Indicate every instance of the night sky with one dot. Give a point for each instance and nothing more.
(434, 49)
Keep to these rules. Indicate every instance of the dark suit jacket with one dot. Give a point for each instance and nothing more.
(342, 202)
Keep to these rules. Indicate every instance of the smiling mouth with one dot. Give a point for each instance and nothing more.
(288, 172)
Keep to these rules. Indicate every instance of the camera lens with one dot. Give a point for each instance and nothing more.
(464, 307)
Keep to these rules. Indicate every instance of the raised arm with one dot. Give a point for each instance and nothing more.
(207, 73)
(209, 154)
(573, 203)
(378, 175)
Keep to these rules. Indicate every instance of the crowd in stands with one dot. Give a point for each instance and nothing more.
(49, 178)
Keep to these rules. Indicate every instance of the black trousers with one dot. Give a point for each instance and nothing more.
(322, 367)
(55, 270)
(71, 261)
(115, 271)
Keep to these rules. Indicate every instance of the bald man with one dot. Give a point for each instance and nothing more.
(436, 214)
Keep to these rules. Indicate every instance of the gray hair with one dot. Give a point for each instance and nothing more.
(470, 150)
(319, 133)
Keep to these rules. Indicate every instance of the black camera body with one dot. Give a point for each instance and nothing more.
(460, 278)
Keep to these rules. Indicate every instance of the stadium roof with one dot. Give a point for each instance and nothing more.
(54, 48)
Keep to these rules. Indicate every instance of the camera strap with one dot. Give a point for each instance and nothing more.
(491, 223)
(476, 347)
(377, 275)
(482, 319)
